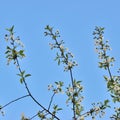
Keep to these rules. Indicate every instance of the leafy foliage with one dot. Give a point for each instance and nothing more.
(63, 55)
(74, 89)
(13, 52)
(106, 62)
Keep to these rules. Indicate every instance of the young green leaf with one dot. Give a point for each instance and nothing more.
(21, 80)
(10, 29)
(27, 75)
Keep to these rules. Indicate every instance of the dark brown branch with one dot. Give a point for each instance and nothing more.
(110, 73)
(51, 100)
(15, 100)
(32, 95)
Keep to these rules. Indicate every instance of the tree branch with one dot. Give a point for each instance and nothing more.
(35, 115)
(66, 61)
(32, 95)
(51, 100)
(72, 80)
(108, 68)
(14, 101)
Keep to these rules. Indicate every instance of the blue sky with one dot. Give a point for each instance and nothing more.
(76, 21)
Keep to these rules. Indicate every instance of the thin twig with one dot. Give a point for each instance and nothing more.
(110, 74)
(14, 101)
(71, 75)
(72, 80)
(89, 112)
(108, 68)
(51, 100)
(36, 115)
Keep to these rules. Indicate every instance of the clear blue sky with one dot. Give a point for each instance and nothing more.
(76, 21)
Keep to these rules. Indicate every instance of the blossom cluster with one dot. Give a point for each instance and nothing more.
(102, 47)
(106, 62)
(13, 51)
(63, 55)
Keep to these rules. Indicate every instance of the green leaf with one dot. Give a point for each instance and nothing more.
(8, 48)
(0, 107)
(102, 28)
(23, 72)
(47, 27)
(61, 83)
(8, 51)
(54, 37)
(58, 61)
(27, 75)
(59, 109)
(10, 29)
(19, 75)
(56, 83)
(66, 56)
(106, 101)
(105, 77)
(41, 115)
(56, 58)
(21, 52)
(21, 80)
